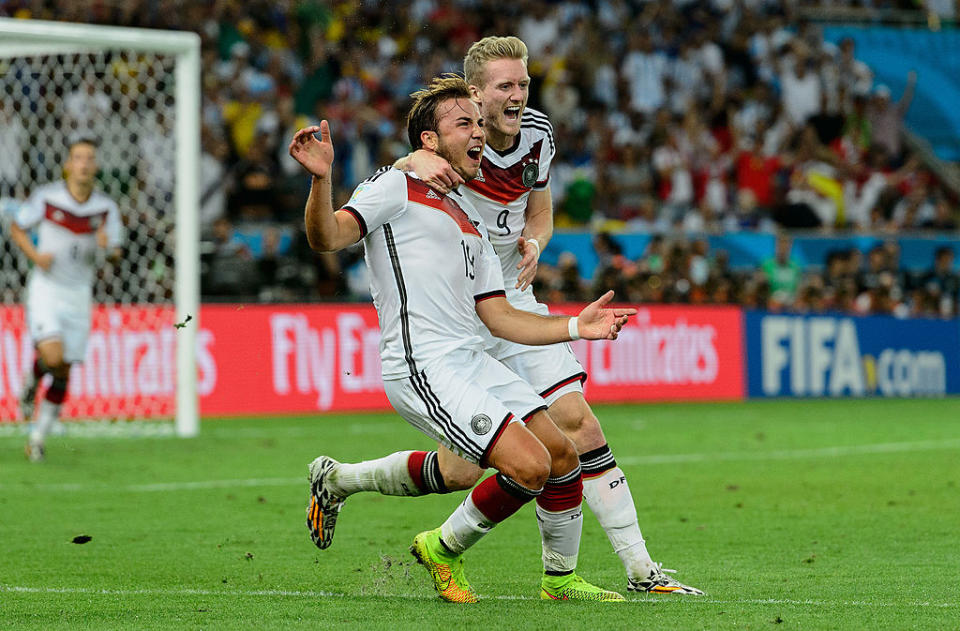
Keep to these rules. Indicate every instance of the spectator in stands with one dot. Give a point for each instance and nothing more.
(886, 118)
(942, 283)
(782, 272)
(615, 74)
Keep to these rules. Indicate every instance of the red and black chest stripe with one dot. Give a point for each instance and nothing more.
(77, 224)
(420, 193)
(506, 184)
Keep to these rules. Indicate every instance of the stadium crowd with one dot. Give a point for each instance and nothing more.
(671, 117)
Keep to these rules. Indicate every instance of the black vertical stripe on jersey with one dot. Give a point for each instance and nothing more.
(434, 409)
(402, 292)
(477, 450)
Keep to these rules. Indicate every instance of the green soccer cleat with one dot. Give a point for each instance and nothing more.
(572, 587)
(445, 568)
(324, 506)
(659, 583)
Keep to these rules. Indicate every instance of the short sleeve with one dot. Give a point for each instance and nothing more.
(548, 149)
(489, 277)
(31, 211)
(377, 200)
(114, 226)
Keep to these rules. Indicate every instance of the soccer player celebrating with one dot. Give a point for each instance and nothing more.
(75, 220)
(512, 194)
(435, 372)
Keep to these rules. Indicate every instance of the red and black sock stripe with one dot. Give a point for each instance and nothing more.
(563, 492)
(498, 497)
(57, 391)
(424, 469)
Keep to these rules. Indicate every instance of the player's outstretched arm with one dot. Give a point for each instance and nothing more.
(595, 322)
(326, 230)
(433, 170)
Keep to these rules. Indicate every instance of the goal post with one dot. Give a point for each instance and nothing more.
(34, 51)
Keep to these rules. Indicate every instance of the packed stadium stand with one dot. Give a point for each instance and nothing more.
(725, 152)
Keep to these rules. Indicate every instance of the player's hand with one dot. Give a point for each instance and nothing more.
(528, 264)
(44, 260)
(596, 322)
(101, 237)
(435, 171)
(316, 156)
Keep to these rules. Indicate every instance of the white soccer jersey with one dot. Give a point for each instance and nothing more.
(430, 263)
(68, 231)
(501, 189)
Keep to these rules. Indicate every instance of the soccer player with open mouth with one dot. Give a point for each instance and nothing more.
(436, 281)
(512, 194)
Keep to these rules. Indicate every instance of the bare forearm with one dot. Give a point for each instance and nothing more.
(20, 237)
(318, 218)
(539, 218)
(529, 328)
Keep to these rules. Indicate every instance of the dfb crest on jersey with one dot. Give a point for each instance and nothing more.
(481, 424)
(530, 174)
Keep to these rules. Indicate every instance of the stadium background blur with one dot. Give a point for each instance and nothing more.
(676, 122)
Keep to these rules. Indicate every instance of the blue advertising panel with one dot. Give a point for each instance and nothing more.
(839, 355)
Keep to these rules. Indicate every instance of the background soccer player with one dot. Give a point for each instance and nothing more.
(75, 220)
(512, 194)
(435, 372)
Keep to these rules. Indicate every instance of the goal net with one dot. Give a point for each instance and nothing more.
(136, 92)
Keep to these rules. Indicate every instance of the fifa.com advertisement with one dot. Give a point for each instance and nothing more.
(836, 355)
(266, 359)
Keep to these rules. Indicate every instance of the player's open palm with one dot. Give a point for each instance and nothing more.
(598, 322)
(315, 155)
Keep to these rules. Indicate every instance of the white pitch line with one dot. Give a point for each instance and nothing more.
(282, 593)
(731, 456)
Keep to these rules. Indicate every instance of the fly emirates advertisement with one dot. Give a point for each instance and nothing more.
(270, 359)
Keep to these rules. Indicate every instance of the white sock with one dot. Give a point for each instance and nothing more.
(46, 415)
(608, 496)
(560, 534)
(465, 526)
(389, 475)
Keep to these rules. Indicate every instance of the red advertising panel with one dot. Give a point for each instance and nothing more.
(270, 359)
(667, 353)
(302, 358)
(129, 370)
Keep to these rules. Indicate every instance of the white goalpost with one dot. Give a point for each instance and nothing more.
(138, 92)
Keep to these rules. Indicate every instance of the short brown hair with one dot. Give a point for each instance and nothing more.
(423, 114)
(488, 49)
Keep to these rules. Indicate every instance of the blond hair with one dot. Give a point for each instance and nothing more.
(489, 49)
(423, 114)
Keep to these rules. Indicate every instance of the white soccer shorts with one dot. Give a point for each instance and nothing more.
(464, 401)
(56, 311)
(551, 370)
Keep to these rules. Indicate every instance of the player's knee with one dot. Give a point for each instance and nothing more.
(563, 456)
(533, 470)
(571, 412)
(53, 360)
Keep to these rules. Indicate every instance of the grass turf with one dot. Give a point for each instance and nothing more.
(789, 514)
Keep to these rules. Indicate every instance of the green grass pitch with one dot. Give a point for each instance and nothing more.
(789, 514)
